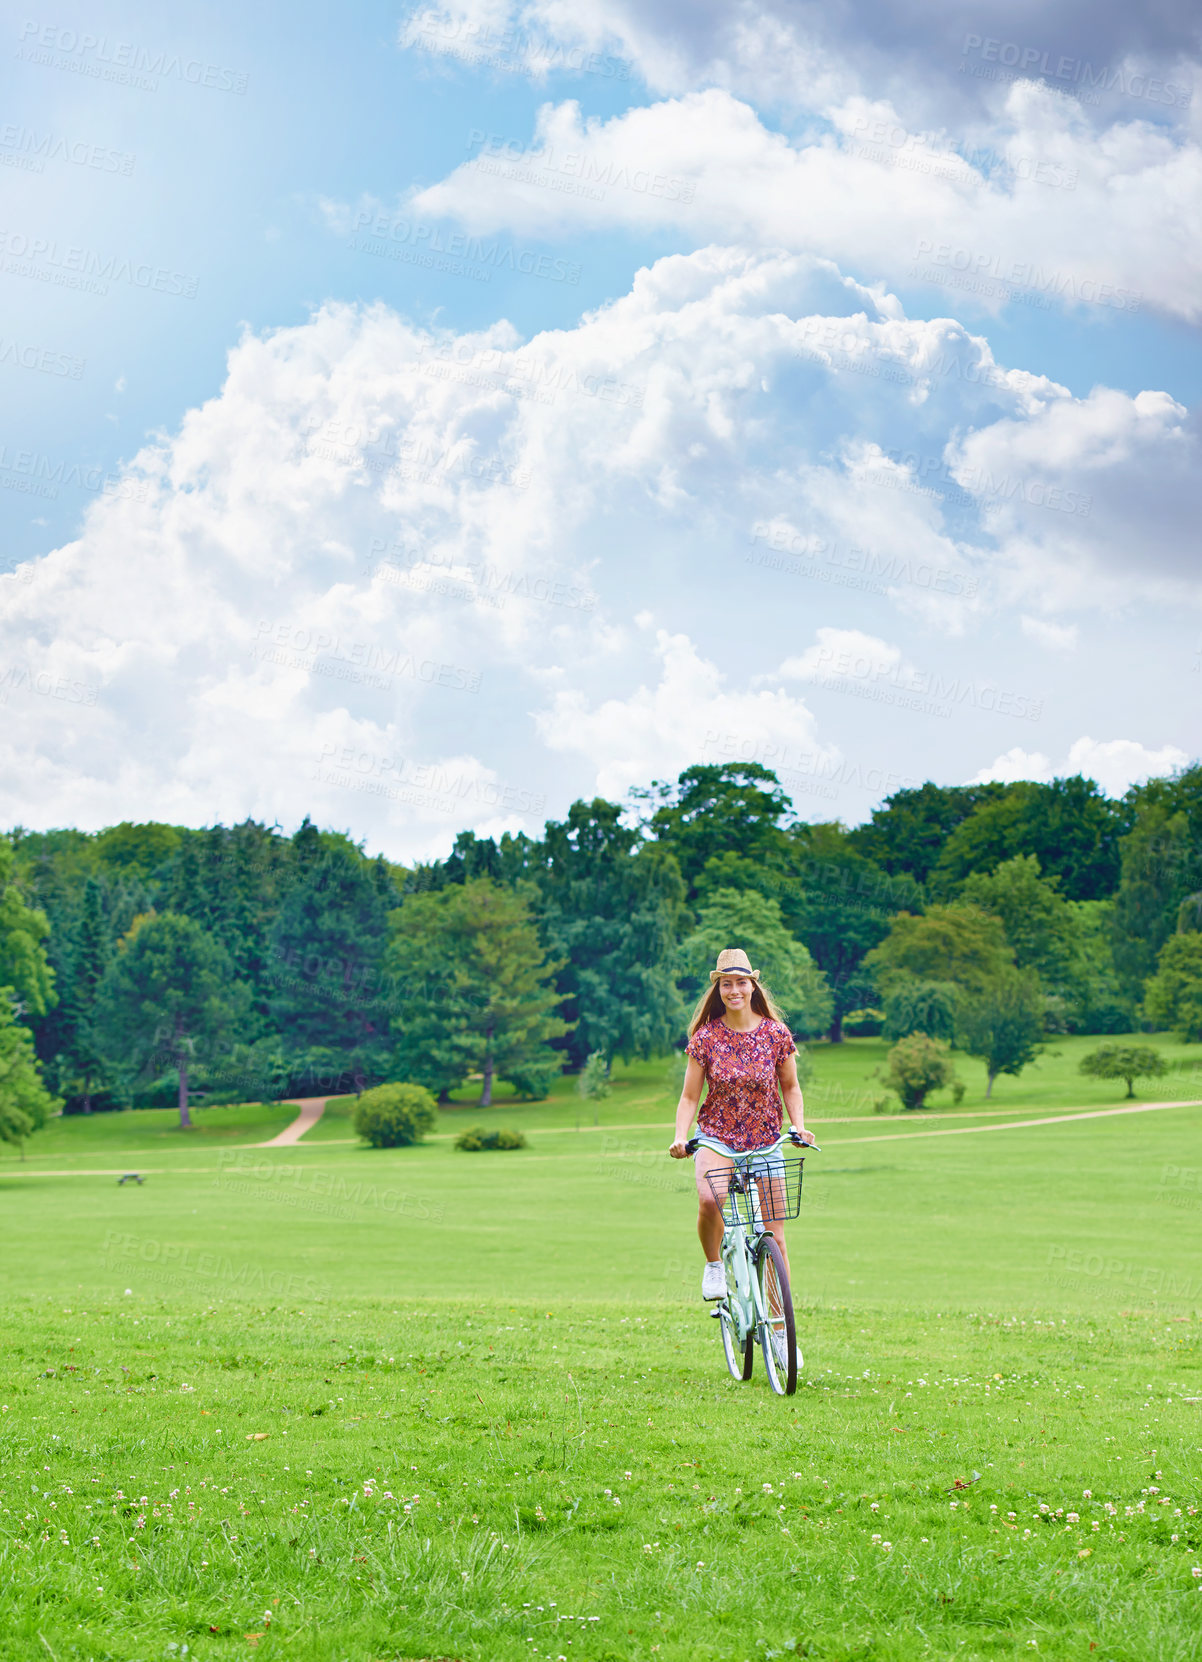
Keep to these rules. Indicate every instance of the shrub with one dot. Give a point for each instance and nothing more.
(534, 1082)
(918, 1065)
(863, 1024)
(394, 1116)
(476, 1138)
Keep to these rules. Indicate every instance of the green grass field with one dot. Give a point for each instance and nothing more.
(331, 1403)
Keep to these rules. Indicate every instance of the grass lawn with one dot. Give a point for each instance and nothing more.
(342, 1404)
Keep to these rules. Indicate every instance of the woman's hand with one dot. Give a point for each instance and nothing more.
(678, 1150)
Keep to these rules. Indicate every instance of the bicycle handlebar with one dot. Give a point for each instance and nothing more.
(787, 1139)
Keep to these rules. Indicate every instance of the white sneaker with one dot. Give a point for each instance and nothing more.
(713, 1282)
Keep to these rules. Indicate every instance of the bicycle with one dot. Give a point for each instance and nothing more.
(759, 1187)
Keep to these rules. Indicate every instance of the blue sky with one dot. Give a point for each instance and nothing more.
(783, 392)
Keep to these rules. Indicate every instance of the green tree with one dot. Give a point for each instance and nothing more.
(918, 1065)
(735, 808)
(328, 945)
(517, 856)
(914, 1006)
(947, 943)
(1173, 997)
(246, 871)
(612, 908)
(906, 834)
(841, 909)
(1099, 1001)
(733, 917)
(1071, 828)
(479, 999)
(24, 966)
(25, 1102)
(1129, 1062)
(1039, 922)
(592, 1082)
(168, 997)
(81, 1058)
(143, 852)
(1161, 867)
(1002, 1023)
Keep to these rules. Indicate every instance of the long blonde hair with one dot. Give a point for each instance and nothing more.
(710, 1006)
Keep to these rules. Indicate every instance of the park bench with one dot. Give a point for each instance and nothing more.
(130, 1177)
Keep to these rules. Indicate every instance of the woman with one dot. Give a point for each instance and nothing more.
(740, 1046)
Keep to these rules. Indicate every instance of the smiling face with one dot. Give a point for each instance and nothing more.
(736, 991)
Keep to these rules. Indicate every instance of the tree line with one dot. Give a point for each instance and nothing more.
(150, 963)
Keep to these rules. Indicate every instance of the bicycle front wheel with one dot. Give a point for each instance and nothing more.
(739, 1358)
(778, 1333)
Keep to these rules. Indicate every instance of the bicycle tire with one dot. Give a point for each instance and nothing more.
(780, 1335)
(740, 1366)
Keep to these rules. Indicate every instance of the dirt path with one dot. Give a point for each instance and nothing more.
(311, 1110)
(1018, 1125)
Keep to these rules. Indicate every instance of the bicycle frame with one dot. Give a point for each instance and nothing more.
(739, 1245)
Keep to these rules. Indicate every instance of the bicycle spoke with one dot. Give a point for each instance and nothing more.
(776, 1330)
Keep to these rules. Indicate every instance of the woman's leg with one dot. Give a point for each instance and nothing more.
(710, 1228)
(777, 1231)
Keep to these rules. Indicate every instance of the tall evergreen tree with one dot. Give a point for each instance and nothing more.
(612, 907)
(328, 948)
(81, 1058)
(168, 997)
(479, 993)
(186, 894)
(515, 857)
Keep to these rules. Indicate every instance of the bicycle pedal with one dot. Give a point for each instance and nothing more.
(716, 1312)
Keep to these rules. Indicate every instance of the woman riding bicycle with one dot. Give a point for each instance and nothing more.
(740, 1046)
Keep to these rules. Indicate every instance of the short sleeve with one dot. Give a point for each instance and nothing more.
(698, 1046)
(784, 1043)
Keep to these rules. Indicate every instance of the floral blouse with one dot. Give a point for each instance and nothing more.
(742, 1106)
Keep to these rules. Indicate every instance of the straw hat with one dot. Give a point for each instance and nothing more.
(733, 961)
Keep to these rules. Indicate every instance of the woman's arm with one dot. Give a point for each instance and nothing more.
(790, 1090)
(686, 1108)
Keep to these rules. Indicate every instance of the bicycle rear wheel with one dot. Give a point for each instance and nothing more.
(739, 1358)
(778, 1333)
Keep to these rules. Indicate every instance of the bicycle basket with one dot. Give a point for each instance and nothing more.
(759, 1190)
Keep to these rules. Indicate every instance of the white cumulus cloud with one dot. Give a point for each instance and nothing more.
(690, 714)
(383, 540)
(1058, 214)
(1116, 764)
